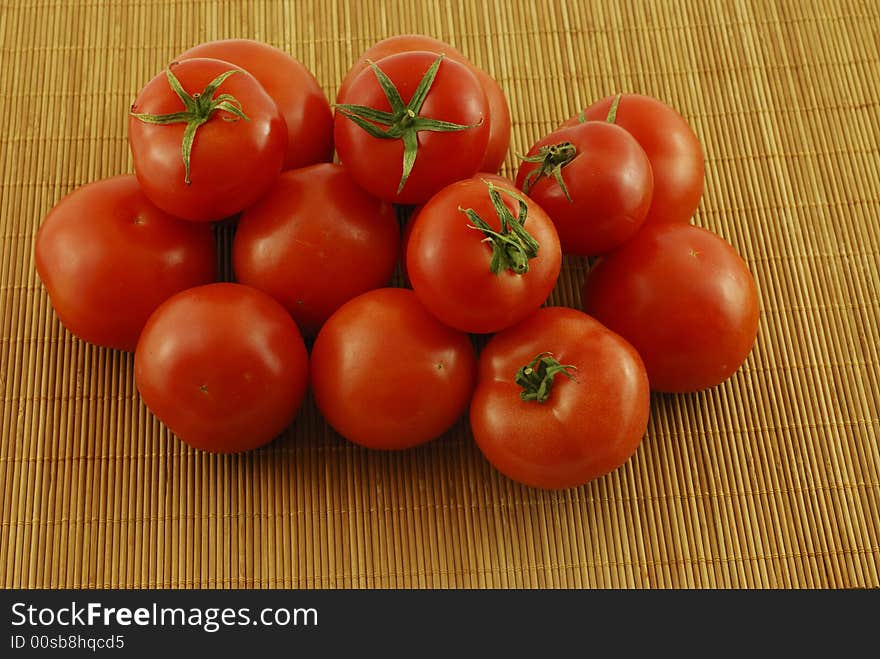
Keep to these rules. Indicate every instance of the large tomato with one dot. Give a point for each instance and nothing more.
(684, 298)
(560, 400)
(595, 182)
(209, 148)
(223, 366)
(387, 375)
(481, 255)
(108, 257)
(315, 241)
(670, 144)
(499, 112)
(293, 87)
(410, 125)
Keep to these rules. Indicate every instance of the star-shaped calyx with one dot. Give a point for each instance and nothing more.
(404, 121)
(198, 109)
(554, 157)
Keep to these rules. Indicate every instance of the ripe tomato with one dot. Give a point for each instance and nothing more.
(292, 86)
(595, 182)
(473, 270)
(411, 125)
(315, 241)
(499, 112)
(223, 366)
(671, 146)
(108, 257)
(560, 400)
(230, 162)
(387, 375)
(684, 298)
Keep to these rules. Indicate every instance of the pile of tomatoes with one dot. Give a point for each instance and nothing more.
(556, 396)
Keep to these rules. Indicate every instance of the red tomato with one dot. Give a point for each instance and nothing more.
(223, 366)
(315, 241)
(684, 298)
(454, 99)
(233, 161)
(560, 400)
(299, 96)
(672, 147)
(499, 112)
(387, 375)
(450, 261)
(605, 189)
(108, 258)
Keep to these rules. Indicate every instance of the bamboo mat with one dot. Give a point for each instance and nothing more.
(769, 480)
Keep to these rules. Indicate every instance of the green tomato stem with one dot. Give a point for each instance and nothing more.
(536, 377)
(403, 122)
(553, 158)
(612, 111)
(198, 109)
(513, 246)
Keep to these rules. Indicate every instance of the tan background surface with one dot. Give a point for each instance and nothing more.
(770, 480)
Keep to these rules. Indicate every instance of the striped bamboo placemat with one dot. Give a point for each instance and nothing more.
(769, 480)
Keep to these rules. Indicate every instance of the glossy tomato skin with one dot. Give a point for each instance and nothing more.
(443, 157)
(233, 163)
(670, 144)
(609, 181)
(447, 260)
(108, 257)
(223, 366)
(297, 93)
(407, 229)
(499, 111)
(587, 427)
(684, 298)
(387, 375)
(315, 241)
